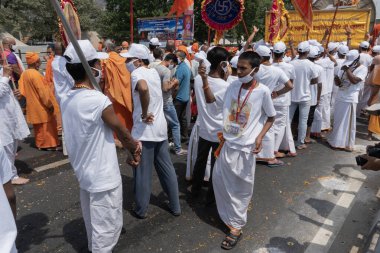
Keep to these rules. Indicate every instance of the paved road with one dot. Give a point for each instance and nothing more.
(319, 202)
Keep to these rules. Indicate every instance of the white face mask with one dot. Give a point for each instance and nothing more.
(248, 78)
(98, 76)
(130, 66)
(171, 66)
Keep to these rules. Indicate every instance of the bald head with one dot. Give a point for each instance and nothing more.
(7, 42)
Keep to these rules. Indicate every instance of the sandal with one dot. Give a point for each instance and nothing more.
(277, 163)
(230, 241)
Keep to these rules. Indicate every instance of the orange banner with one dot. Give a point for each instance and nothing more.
(358, 20)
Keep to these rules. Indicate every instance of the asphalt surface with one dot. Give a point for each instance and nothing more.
(319, 202)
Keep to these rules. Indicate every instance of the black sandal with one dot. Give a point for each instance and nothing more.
(230, 241)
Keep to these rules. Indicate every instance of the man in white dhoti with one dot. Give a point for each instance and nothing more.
(89, 121)
(341, 57)
(279, 84)
(301, 94)
(13, 127)
(350, 79)
(366, 61)
(210, 116)
(8, 230)
(281, 124)
(248, 114)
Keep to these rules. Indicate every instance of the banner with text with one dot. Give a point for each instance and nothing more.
(358, 20)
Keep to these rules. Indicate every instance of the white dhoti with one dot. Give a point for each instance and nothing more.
(11, 150)
(316, 126)
(103, 218)
(279, 125)
(192, 155)
(267, 152)
(326, 111)
(233, 180)
(287, 143)
(333, 97)
(364, 96)
(344, 131)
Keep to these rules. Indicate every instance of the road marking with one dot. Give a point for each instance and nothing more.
(52, 165)
(375, 238)
(328, 222)
(322, 237)
(345, 200)
(354, 249)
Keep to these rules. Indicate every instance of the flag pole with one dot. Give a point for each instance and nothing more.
(245, 27)
(333, 22)
(131, 19)
(75, 43)
(6, 63)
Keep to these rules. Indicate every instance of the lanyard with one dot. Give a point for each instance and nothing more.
(239, 108)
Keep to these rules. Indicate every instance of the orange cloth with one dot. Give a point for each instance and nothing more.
(221, 144)
(180, 6)
(118, 85)
(184, 49)
(31, 57)
(46, 135)
(49, 72)
(38, 97)
(195, 47)
(123, 115)
(374, 124)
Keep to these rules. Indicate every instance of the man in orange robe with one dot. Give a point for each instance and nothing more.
(118, 86)
(39, 104)
(49, 82)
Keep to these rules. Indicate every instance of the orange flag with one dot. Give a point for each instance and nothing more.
(305, 10)
(180, 6)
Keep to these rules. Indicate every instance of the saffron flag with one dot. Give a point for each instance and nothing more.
(304, 9)
(279, 21)
(180, 6)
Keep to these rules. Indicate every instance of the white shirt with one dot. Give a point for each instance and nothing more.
(210, 116)
(8, 230)
(158, 130)
(154, 63)
(350, 92)
(12, 121)
(305, 71)
(232, 78)
(63, 82)
(89, 141)
(259, 106)
(271, 76)
(285, 99)
(365, 59)
(314, 87)
(327, 78)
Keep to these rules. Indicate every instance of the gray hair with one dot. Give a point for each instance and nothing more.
(110, 45)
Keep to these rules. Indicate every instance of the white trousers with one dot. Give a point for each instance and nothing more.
(326, 111)
(344, 130)
(11, 150)
(287, 142)
(103, 217)
(316, 126)
(233, 180)
(279, 125)
(267, 153)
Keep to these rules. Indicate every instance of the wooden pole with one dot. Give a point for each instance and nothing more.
(75, 43)
(209, 36)
(245, 27)
(131, 19)
(176, 28)
(332, 23)
(307, 33)
(6, 63)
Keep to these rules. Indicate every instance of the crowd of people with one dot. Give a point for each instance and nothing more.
(259, 104)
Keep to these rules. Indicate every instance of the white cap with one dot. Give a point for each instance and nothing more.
(88, 51)
(321, 49)
(314, 52)
(376, 49)
(137, 51)
(234, 62)
(279, 47)
(154, 42)
(303, 47)
(364, 44)
(263, 51)
(351, 57)
(332, 46)
(314, 43)
(343, 50)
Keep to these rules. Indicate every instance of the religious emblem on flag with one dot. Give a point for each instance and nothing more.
(279, 21)
(305, 10)
(71, 15)
(222, 15)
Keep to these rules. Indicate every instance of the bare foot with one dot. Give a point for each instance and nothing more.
(118, 144)
(279, 154)
(20, 181)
